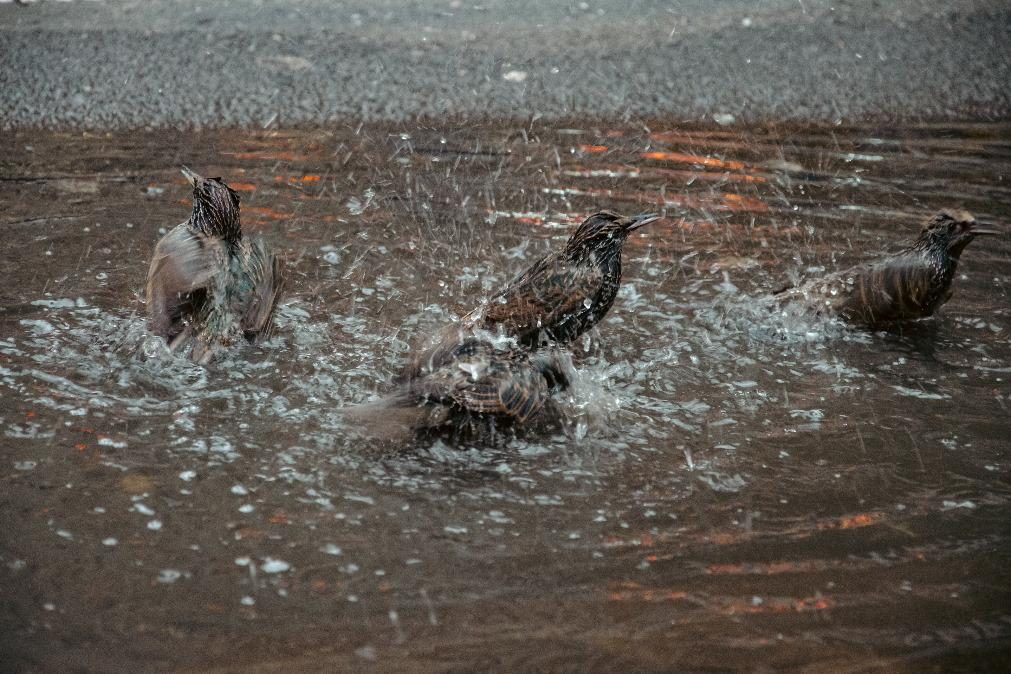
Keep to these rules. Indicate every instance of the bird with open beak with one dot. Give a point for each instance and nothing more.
(208, 285)
(909, 285)
(556, 300)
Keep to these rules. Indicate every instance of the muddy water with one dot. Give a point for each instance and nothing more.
(722, 488)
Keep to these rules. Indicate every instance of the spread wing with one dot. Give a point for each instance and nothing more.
(182, 267)
(485, 380)
(546, 296)
(264, 275)
(518, 391)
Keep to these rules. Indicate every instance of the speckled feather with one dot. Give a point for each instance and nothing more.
(909, 285)
(561, 296)
(208, 286)
(479, 379)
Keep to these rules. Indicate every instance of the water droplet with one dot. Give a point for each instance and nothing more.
(271, 565)
(168, 576)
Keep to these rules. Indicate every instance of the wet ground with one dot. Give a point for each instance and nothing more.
(724, 488)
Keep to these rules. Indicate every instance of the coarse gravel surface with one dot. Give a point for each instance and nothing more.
(144, 63)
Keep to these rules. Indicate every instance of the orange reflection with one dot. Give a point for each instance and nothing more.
(631, 591)
(693, 159)
(764, 568)
(740, 202)
(852, 521)
(778, 605)
(265, 212)
(646, 595)
(593, 149)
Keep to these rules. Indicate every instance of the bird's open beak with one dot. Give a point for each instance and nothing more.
(976, 230)
(192, 177)
(641, 220)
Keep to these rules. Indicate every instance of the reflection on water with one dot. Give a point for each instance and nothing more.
(723, 482)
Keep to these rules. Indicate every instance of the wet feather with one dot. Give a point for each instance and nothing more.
(208, 286)
(556, 300)
(479, 379)
(909, 285)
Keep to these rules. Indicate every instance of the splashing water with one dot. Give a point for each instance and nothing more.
(745, 475)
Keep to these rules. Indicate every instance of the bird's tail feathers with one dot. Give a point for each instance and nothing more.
(396, 418)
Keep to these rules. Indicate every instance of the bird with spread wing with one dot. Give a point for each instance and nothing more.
(208, 286)
(481, 380)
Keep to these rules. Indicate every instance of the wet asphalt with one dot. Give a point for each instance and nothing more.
(142, 63)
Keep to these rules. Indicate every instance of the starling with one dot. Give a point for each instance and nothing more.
(560, 297)
(208, 285)
(480, 379)
(909, 285)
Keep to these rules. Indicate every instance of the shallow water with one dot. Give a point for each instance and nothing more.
(723, 488)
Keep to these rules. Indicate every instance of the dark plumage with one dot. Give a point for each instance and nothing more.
(908, 285)
(558, 298)
(479, 379)
(207, 284)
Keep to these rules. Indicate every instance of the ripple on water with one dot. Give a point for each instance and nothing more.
(717, 458)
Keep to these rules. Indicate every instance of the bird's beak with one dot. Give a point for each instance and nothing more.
(192, 177)
(976, 230)
(641, 220)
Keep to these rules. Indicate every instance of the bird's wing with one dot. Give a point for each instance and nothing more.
(875, 292)
(892, 289)
(514, 390)
(264, 271)
(544, 296)
(183, 262)
(484, 380)
(433, 353)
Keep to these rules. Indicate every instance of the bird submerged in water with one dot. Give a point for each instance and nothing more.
(208, 286)
(557, 299)
(909, 285)
(481, 379)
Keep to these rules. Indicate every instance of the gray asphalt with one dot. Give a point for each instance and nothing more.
(142, 63)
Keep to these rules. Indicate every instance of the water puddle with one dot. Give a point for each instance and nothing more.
(724, 473)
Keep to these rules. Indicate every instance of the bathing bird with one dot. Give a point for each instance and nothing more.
(208, 285)
(483, 378)
(561, 296)
(909, 285)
